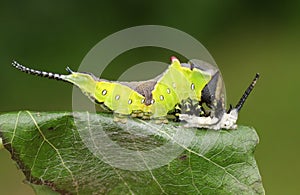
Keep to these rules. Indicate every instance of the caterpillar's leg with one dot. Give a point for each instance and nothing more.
(137, 114)
(146, 116)
(161, 120)
(120, 118)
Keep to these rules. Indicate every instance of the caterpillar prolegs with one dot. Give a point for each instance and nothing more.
(179, 85)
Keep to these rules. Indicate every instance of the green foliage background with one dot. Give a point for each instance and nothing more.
(244, 37)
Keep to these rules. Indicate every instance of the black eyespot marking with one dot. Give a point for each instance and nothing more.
(117, 97)
(161, 97)
(152, 101)
(168, 91)
(104, 92)
(143, 101)
(192, 86)
(130, 101)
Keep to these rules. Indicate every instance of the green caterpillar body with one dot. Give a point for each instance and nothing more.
(157, 97)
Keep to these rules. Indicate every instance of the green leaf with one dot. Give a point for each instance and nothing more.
(85, 153)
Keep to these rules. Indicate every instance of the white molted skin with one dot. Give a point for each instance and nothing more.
(228, 121)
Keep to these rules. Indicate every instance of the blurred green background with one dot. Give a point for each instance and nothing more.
(244, 37)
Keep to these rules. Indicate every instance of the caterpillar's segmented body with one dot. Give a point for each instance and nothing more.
(198, 82)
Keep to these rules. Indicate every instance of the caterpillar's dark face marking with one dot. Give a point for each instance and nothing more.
(187, 85)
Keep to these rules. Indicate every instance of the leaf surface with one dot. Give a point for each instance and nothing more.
(83, 153)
